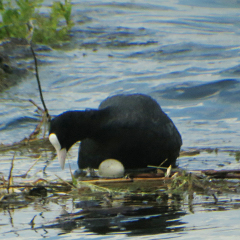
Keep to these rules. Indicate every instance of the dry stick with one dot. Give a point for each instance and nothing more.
(25, 174)
(33, 185)
(70, 184)
(32, 222)
(39, 108)
(42, 121)
(38, 81)
(29, 38)
(10, 174)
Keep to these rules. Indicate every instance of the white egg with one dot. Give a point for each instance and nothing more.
(111, 168)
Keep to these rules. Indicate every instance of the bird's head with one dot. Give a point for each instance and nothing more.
(61, 135)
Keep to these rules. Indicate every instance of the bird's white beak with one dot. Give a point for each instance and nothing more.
(61, 152)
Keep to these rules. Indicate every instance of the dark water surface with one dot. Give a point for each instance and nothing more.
(183, 53)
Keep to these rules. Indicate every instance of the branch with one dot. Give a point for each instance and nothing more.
(29, 38)
(39, 84)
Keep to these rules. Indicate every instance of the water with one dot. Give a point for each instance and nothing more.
(183, 53)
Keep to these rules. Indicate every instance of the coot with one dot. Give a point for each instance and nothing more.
(131, 128)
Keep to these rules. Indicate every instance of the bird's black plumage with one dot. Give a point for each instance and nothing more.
(131, 128)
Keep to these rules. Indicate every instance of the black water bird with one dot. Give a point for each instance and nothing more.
(130, 128)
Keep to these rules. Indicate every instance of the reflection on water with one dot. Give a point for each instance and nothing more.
(183, 53)
(142, 219)
(152, 216)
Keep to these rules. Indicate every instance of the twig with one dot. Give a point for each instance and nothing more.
(32, 222)
(215, 198)
(158, 167)
(39, 84)
(39, 108)
(10, 174)
(34, 185)
(168, 173)
(25, 174)
(117, 180)
(29, 38)
(65, 181)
